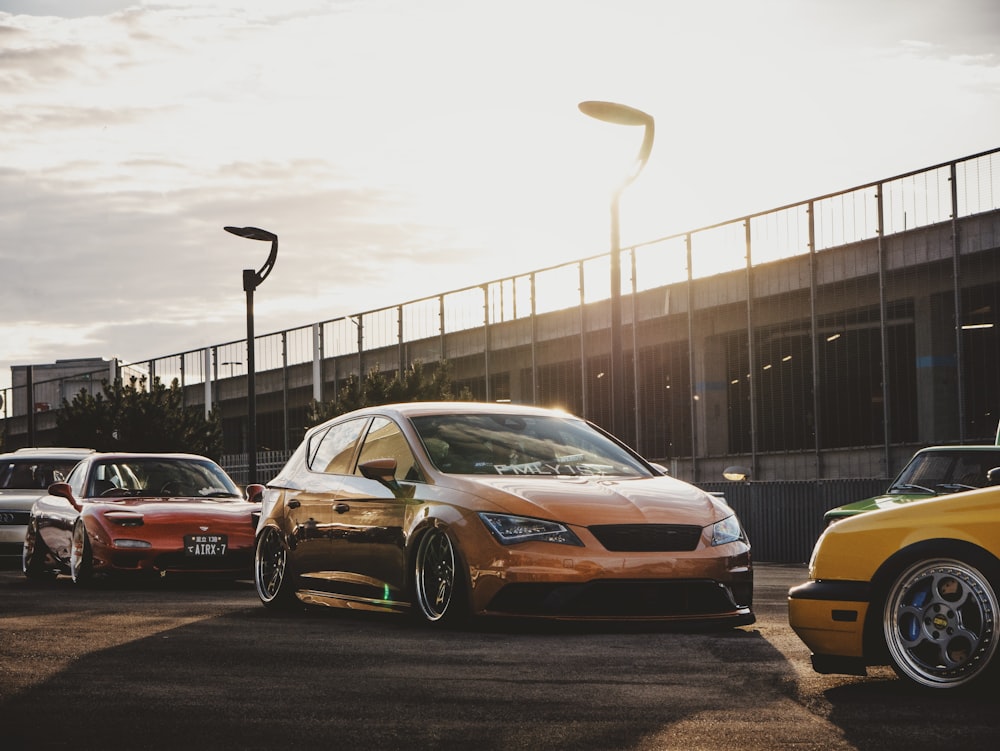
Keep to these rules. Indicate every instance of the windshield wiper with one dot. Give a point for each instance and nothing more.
(904, 486)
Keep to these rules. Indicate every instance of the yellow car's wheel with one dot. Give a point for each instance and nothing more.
(940, 623)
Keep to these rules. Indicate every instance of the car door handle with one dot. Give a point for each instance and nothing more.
(341, 508)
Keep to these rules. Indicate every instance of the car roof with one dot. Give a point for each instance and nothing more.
(133, 455)
(48, 453)
(410, 409)
(405, 410)
(952, 449)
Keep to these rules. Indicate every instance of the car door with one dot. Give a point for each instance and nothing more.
(369, 544)
(309, 508)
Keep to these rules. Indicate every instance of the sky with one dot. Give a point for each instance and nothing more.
(401, 149)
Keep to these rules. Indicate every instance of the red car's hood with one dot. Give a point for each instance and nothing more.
(173, 507)
(600, 500)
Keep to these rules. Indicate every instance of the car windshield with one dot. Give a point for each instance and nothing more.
(946, 471)
(513, 444)
(33, 474)
(189, 478)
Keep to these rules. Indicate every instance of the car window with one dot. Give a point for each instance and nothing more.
(336, 448)
(156, 476)
(971, 469)
(78, 478)
(36, 474)
(513, 444)
(386, 441)
(941, 471)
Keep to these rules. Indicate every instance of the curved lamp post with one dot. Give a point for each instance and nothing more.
(620, 114)
(252, 280)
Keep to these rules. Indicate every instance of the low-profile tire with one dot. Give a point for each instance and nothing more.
(81, 559)
(440, 593)
(33, 557)
(940, 624)
(270, 571)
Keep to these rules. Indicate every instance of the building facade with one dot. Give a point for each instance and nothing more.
(823, 340)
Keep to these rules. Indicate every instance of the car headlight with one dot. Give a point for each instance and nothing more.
(509, 530)
(728, 530)
(131, 544)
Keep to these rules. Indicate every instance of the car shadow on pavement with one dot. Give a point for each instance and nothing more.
(254, 679)
(885, 713)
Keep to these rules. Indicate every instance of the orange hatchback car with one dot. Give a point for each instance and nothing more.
(134, 513)
(447, 510)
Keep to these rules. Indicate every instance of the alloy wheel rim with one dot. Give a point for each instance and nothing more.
(941, 623)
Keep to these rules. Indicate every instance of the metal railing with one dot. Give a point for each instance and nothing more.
(923, 198)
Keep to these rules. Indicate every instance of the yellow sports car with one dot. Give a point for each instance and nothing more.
(914, 587)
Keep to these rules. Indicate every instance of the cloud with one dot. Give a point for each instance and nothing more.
(403, 149)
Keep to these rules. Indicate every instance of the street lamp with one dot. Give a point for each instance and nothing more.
(252, 280)
(232, 364)
(620, 114)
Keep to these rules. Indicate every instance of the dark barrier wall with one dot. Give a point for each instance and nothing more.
(784, 519)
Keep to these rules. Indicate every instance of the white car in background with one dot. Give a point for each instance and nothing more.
(25, 476)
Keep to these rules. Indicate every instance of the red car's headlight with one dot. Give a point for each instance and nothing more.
(124, 518)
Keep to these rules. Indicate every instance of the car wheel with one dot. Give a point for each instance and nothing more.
(33, 556)
(270, 570)
(940, 623)
(81, 560)
(438, 583)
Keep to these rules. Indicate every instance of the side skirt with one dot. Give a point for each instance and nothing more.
(348, 602)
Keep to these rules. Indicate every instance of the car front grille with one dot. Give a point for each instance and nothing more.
(618, 599)
(647, 538)
(242, 559)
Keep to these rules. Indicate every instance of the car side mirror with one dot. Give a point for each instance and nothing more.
(62, 490)
(255, 493)
(382, 470)
(993, 476)
(736, 474)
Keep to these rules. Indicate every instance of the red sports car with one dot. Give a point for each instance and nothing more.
(153, 513)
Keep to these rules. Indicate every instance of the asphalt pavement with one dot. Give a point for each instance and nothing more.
(189, 664)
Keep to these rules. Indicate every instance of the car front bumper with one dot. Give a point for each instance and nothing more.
(539, 580)
(829, 617)
(12, 532)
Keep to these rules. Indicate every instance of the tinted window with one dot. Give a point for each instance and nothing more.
(36, 474)
(336, 448)
(155, 476)
(386, 441)
(514, 444)
(948, 471)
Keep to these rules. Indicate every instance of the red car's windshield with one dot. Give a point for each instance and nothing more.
(159, 477)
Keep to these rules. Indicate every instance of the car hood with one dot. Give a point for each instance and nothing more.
(599, 500)
(153, 507)
(20, 499)
(875, 503)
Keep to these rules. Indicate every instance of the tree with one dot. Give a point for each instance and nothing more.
(414, 384)
(137, 418)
